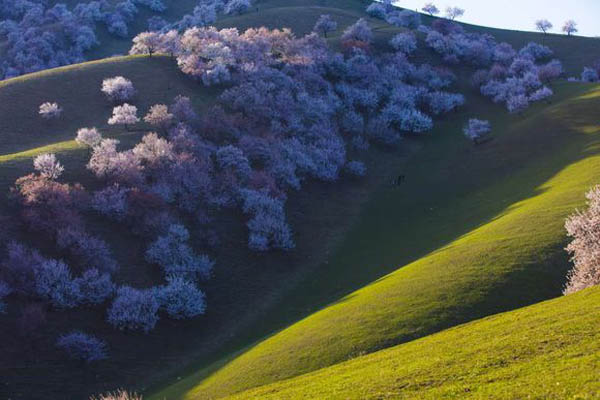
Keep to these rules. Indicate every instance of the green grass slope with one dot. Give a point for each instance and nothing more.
(546, 351)
(520, 187)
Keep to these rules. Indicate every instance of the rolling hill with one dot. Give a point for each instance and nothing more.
(474, 231)
(506, 253)
(545, 351)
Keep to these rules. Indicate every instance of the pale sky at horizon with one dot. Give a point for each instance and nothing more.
(522, 14)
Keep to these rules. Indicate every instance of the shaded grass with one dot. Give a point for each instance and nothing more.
(546, 351)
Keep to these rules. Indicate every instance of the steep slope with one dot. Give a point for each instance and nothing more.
(546, 351)
(520, 187)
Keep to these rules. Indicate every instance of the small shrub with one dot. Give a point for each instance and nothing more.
(589, 75)
(118, 89)
(48, 166)
(404, 42)
(181, 298)
(95, 287)
(89, 137)
(160, 116)
(176, 257)
(135, 309)
(517, 104)
(476, 129)
(376, 10)
(118, 395)
(53, 282)
(356, 168)
(50, 110)
(541, 94)
(83, 347)
(125, 114)
(325, 24)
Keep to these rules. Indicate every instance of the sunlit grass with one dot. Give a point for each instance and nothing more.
(546, 351)
(61, 147)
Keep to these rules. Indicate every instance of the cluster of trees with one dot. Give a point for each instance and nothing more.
(584, 228)
(205, 13)
(401, 18)
(523, 81)
(54, 208)
(25, 271)
(292, 110)
(569, 27)
(515, 78)
(407, 18)
(37, 36)
(591, 74)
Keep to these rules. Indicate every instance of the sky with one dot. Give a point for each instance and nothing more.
(522, 14)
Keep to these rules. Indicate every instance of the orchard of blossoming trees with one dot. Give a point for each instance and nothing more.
(37, 36)
(290, 110)
(507, 76)
(515, 78)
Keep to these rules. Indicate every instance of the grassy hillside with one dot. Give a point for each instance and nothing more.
(503, 205)
(480, 228)
(546, 351)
